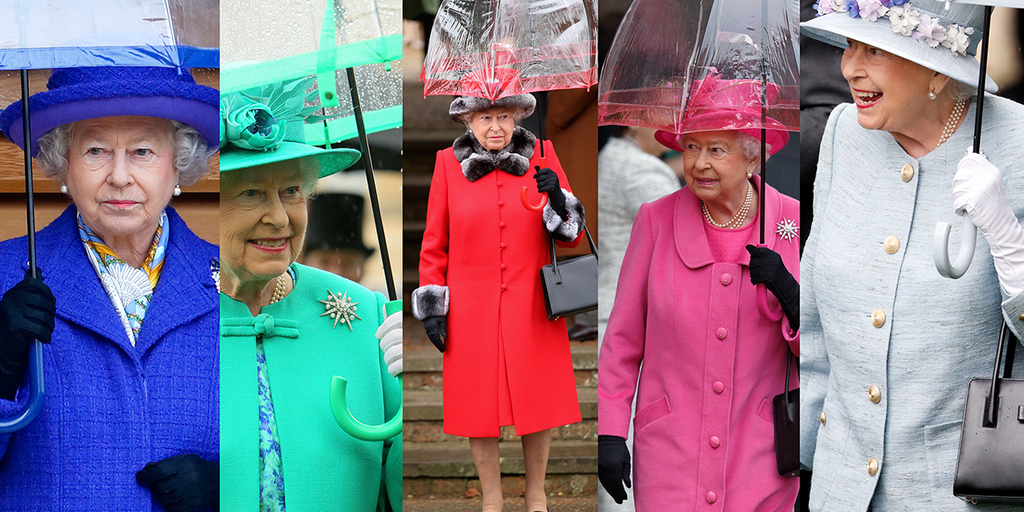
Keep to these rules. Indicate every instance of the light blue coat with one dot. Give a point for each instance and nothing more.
(937, 333)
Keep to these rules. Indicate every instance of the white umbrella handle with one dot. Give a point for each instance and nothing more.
(969, 235)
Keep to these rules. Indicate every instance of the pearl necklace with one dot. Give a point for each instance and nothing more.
(278, 290)
(947, 132)
(737, 219)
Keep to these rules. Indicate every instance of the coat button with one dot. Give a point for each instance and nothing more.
(726, 279)
(874, 394)
(715, 442)
(502, 287)
(907, 173)
(1021, 317)
(877, 318)
(503, 266)
(498, 184)
(711, 497)
(501, 225)
(721, 333)
(892, 244)
(718, 387)
(502, 245)
(501, 203)
(872, 466)
(822, 417)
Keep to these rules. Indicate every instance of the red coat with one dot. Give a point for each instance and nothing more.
(502, 353)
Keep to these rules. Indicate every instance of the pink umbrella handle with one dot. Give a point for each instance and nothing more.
(526, 202)
(763, 308)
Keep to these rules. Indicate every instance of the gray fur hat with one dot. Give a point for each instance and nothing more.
(463, 106)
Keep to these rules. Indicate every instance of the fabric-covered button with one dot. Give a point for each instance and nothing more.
(263, 323)
(822, 417)
(718, 387)
(721, 333)
(502, 245)
(503, 287)
(872, 466)
(711, 497)
(503, 266)
(892, 244)
(715, 442)
(726, 279)
(501, 203)
(878, 318)
(498, 184)
(501, 225)
(874, 394)
(907, 173)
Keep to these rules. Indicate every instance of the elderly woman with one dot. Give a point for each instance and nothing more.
(287, 329)
(884, 332)
(480, 296)
(126, 300)
(685, 311)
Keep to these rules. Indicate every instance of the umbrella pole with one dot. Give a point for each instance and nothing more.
(30, 202)
(542, 117)
(981, 79)
(364, 146)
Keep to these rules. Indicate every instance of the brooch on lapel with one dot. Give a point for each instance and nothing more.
(341, 308)
(787, 230)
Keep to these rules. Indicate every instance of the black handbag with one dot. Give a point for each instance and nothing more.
(570, 286)
(990, 465)
(786, 413)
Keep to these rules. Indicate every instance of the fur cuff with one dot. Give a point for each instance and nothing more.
(567, 230)
(429, 300)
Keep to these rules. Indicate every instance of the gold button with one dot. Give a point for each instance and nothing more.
(872, 466)
(892, 244)
(822, 417)
(907, 173)
(878, 318)
(1021, 317)
(874, 394)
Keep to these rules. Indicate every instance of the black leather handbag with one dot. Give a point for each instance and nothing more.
(990, 465)
(786, 413)
(570, 286)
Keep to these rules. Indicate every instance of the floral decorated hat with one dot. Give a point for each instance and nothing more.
(921, 31)
(264, 125)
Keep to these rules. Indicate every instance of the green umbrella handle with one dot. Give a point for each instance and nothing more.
(339, 404)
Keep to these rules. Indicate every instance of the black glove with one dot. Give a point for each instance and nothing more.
(26, 314)
(547, 181)
(184, 483)
(766, 267)
(437, 330)
(613, 466)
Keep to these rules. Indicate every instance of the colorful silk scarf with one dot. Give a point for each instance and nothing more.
(130, 289)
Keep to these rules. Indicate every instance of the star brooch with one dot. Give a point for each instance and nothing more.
(787, 230)
(341, 308)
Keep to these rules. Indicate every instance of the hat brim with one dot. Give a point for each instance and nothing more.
(835, 28)
(195, 105)
(331, 160)
(776, 134)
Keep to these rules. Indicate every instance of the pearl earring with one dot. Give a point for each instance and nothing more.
(64, 188)
(931, 95)
(177, 190)
(750, 175)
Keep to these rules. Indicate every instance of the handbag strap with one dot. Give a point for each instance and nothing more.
(1007, 340)
(554, 260)
(789, 370)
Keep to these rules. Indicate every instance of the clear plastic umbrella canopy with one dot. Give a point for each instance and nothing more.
(497, 48)
(268, 41)
(669, 55)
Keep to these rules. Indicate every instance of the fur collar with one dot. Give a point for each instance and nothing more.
(513, 158)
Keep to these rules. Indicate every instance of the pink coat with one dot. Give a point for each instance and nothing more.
(703, 433)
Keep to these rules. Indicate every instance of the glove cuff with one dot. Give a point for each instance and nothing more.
(430, 300)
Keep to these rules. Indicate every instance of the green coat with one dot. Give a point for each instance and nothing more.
(324, 467)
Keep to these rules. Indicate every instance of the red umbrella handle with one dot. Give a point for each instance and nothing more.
(526, 202)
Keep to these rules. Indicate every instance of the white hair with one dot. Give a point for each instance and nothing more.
(751, 147)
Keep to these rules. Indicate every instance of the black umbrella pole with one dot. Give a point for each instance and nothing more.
(764, 179)
(542, 118)
(30, 202)
(981, 79)
(364, 146)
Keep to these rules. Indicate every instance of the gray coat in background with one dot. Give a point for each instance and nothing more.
(936, 334)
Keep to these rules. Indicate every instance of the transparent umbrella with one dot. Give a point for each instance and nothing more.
(349, 45)
(40, 35)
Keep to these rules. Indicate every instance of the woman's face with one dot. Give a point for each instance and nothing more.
(714, 166)
(262, 220)
(121, 173)
(889, 91)
(492, 127)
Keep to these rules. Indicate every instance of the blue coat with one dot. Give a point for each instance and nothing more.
(111, 407)
(876, 314)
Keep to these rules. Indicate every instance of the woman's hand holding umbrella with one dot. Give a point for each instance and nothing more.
(26, 314)
(547, 181)
(766, 267)
(978, 190)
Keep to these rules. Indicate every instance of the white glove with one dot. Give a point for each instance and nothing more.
(978, 190)
(390, 335)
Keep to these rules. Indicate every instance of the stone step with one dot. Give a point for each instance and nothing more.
(422, 363)
(580, 491)
(455, 460)
(559, 501)
(431, 432)
(426, 405)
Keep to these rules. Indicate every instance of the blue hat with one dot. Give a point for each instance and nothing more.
(77, 94)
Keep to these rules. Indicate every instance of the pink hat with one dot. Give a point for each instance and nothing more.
(717, 104)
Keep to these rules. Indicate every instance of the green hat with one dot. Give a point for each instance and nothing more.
(264, 125)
